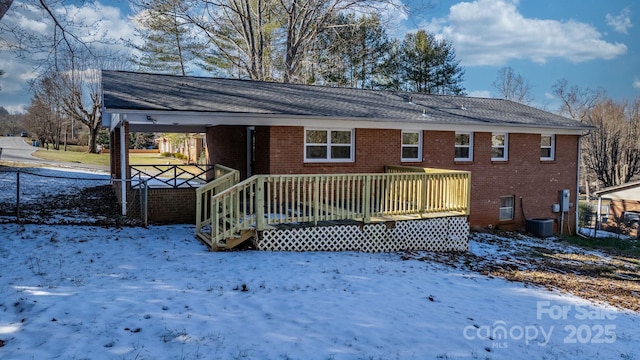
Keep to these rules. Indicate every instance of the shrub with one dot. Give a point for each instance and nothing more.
(585, 213)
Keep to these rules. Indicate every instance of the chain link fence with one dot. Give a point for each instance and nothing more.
(60, 196)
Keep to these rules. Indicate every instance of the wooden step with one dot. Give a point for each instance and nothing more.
(234, 241)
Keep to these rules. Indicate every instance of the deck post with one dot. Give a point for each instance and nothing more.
(468, 188)
(366, 200)
(316, 199)
(423, 202)
(259, 203)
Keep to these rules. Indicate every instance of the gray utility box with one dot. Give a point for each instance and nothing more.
(540, 227)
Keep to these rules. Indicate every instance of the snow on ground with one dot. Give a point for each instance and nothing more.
(602, 234)
(82, 292)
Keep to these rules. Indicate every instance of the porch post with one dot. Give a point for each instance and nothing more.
(123, 169)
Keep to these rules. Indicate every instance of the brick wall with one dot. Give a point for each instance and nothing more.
(533, 183)
(114, 152)
(227, 145)
(176, 206)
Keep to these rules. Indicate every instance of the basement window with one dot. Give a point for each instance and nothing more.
(506, 207)
(322, 145)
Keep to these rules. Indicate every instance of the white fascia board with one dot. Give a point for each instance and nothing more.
(114, 121)
(203, 120)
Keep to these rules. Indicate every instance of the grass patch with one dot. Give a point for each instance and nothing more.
(78, 154)
(73, 157)
(611, 245)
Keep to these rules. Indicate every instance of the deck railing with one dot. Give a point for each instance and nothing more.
(265, 200)
(224, 178)
(175, 176)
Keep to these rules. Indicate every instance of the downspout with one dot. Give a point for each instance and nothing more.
(123, 168)
(577, 207)
(598, 217)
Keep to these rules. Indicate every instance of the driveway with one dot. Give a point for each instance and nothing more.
(16, 149)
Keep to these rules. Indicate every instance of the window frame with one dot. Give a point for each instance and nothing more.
(512, 208)
(403, 146)
(552, 147)
(469, 146)
(328, 145)
(504, 147)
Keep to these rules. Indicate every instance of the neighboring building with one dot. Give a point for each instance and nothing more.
(624, 205)
(520, 158)
(191, 146)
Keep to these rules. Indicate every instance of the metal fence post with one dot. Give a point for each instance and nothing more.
(144, 202)
(18, 196)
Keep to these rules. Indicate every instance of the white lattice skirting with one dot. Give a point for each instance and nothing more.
(437, 234)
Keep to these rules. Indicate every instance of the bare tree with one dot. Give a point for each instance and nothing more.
(577, 102)
(613, 150)
(265, 39)
(513, 86)
(44, 118)
(82, 97)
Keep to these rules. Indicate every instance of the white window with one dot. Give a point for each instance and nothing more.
(328, 145)
(412, 146)
(499, 146)
(547, 147)
(506, 208)
(464, 146)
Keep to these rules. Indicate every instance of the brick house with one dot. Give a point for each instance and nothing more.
(520, 157)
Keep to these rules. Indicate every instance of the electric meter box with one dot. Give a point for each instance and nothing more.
(564, 200)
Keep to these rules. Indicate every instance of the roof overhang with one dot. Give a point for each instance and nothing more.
(628, 191)
(186, 121)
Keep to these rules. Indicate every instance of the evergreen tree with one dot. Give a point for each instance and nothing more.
(352, 52)
(169, 45)
(422, 63)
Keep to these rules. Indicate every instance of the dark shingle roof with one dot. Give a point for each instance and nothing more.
(155, 92)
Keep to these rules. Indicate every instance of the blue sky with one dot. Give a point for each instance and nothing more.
(590, 43)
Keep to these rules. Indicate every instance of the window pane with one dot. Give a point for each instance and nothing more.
(497, 140)
(316, 152)
(341, 137)
(506, 213)
(545, 153)
(462, 139)
(506, 207)
(410, 138)
(506, 201)
(545, 140)
(316, 137)
(462, 153)
(341, 152)
(497, 153)
(410, 153)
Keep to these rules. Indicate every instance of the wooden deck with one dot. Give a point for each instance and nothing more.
(230, 212)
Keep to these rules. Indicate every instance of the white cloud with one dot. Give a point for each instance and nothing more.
(636, 83)
(549, 96)
(620, 23)
(480, 93)
(492, 32)
(92, 21)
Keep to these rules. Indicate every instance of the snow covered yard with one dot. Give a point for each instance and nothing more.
(88, 292)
